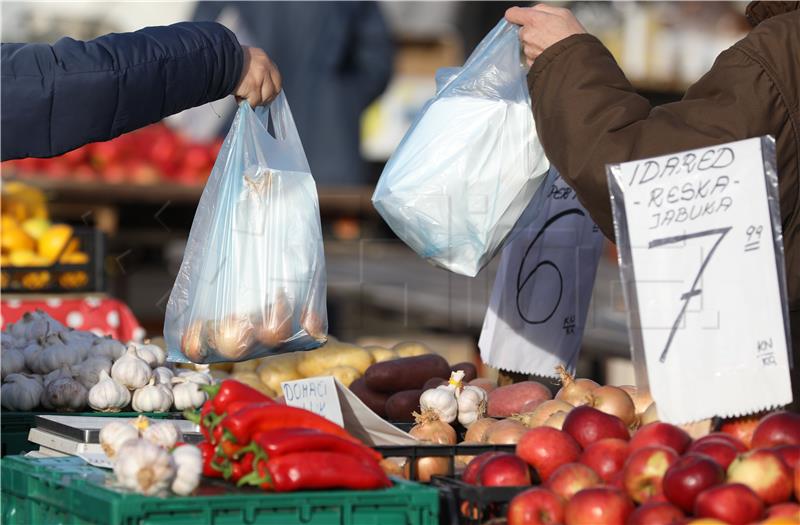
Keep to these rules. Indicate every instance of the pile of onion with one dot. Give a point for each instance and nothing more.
(543, 412)
(613, 400)
(432, 430)
(574, 391)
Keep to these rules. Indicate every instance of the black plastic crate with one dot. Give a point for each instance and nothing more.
(414, 452)
(92, 242)
(464, 504)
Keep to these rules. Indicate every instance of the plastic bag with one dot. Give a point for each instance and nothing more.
(252, 281)
(471, 162)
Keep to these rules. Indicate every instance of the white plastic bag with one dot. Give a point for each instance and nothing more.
(252, 281)
(471, 162)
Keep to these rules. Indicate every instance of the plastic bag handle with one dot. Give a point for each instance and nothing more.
(280, 114)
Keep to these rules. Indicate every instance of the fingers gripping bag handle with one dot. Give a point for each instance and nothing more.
(252, 280)
(471, 162)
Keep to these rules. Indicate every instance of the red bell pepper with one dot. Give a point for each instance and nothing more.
(279, 442)
(229, 391)
(316, 470)
(236, 470)
(241, 426)
(209, 460)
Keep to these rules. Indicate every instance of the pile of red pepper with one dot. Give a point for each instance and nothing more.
(252, 440)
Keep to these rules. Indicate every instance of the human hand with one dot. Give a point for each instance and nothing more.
(261, 81)
(542, 26)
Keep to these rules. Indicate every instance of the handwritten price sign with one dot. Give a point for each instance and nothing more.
(702, 268)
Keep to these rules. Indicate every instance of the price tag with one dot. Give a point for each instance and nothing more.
(701, 260)
(315, 394)
(543, 287)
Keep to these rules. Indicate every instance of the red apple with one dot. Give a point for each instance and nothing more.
(617, 481)
(504, 470)
(587, 425)
(571, 478)
(606, 457)
(765, 472)
(470, 474)
(645, 469)
(790, 454)
(797, 482)
(741, 428)
(656, 513)
(719, 450)
(778, 428)
(546, 449)
(730, 439)
(788, 510)
(536, 506)
(688, 477)
(598, 506)
(732, 503)
(658, 433)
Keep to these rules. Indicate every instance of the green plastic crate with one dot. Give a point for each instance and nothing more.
(67, 491)
(14, 426)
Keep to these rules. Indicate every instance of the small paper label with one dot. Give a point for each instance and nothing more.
(315, 394)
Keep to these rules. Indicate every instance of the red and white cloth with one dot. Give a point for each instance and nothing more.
(101, 315)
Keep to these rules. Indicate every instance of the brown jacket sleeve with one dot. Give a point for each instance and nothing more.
(588, 114)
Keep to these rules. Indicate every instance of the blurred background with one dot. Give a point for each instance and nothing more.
(130, 202)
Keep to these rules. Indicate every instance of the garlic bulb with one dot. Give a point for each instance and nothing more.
(471, 404)
(21, 392)
(82, 341)
(115, 434)
(189, 469)
(64, 371)
(187, 394)
(31, 353)
(131, 371)
(8, 341)
(442, 400)
(201, 378)
(64, 394)
(164, 434)
(152, 398)
(144, 467)
(108, 395)
(163, 375)
(34, 325)
(11, 362)
(55, 353)
(108, 347)
(153, 355)
(89, 370)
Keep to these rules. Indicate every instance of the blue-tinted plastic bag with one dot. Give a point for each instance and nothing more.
(252, 281)
(471, 162)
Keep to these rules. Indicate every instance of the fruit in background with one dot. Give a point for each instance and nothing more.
(536, 506)
(15, 239)
(690, 476)
(606, 457)
(546, 449)
(504, 470)
(470, 474)
(645, 470)
(587, 425)
(789, 510)
(731, 503)
(741, 428)
(105, 154)
(598, 506)
(659, 433)
(21, 201)
(778, 428)
(765, 472)
(656, 513)
(571, 478)
(23, 258)
(35, 227)
(720, 450)
(35, 280)
(57, 240)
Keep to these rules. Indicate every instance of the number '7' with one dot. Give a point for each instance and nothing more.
(693, 291)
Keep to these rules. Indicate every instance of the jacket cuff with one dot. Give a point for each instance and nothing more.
(552, 53)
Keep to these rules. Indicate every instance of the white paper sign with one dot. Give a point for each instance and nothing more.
(315, 394)
(702, 267)
(541, 294)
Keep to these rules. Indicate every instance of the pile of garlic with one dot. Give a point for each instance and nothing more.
(148, 457)
(46, 365)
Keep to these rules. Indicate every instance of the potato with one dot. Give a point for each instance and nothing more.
(485, 383)
(344, 374)
(380, 354)
(252, 379)
(508, 400)
(274, 370)
(433, 383)
(315, 362)
(470, 372)
(245, 366)
(376, 401)
(408, 373)
(411, 349)
(401, 406)
(225, 367)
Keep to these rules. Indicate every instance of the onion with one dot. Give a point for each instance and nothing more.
(192, 342)
(431, 429)
(542, 412)
(650, 415)
(613, 400)
(394, 467)
(641, 397)
(429, 467)
(505, 432)
(574, 391)
(462, 461)
(231, 337)
(556, 420)
(477, 431)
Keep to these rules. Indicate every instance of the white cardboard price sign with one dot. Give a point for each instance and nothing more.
(701, 260)
(315, 394)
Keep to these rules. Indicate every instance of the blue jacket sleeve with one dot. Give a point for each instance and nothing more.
(57, 98)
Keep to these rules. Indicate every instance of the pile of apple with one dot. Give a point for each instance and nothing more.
(595, 471)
